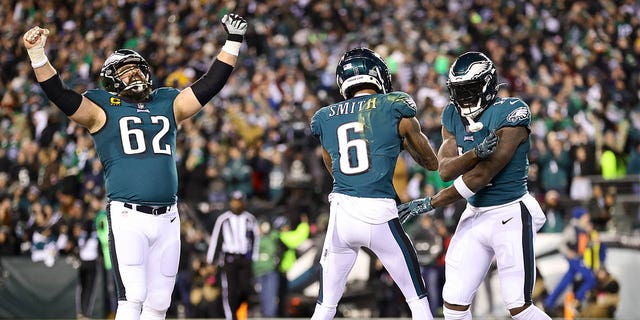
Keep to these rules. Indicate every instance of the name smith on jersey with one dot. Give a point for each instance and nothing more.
(349, 107)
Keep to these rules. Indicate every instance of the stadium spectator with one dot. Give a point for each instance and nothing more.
(582, 166)
(604, 297)
(554, 164)
(576, 237)
(88, 274)
(266, 272)
(598, 209)
(289, 240)
(555, 212)
(431, 238)
(205, 295)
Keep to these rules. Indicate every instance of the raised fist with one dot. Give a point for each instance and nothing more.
(35, 37)
(235, 26)
(34, 41)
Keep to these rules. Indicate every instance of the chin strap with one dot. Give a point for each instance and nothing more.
(136, 87)
(474, 126)
(137, 91)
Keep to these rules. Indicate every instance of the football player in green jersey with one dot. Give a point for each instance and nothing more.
(361, 139)
(484, 150)
(134, 130)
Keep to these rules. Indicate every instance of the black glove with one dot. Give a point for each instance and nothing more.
(488, 146)
(408, 210)
(235, 26)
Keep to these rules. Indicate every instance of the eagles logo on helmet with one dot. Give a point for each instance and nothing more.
(138, 89)
(473, 85)
(361, 68)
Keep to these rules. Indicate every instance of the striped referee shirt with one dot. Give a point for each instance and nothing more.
(234, 234)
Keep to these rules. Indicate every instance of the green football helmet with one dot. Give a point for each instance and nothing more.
(137, 90)
(361, 68)
(472, 83)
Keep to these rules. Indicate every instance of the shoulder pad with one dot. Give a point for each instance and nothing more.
(513, 112)
(404, 103)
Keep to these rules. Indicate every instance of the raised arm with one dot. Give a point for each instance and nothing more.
(193, 98)
(74, 105)
(417, 143)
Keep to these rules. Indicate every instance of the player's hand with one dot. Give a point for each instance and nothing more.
(36, 37)
(408, 210)
(34, 41)
(235, 26)
(488, 146)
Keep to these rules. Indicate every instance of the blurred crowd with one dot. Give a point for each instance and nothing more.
(574, 62)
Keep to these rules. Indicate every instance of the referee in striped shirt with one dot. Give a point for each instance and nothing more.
(233, 248)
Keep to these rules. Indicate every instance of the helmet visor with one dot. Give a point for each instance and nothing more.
(466, 94)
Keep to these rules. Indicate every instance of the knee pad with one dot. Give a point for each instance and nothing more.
(323, 312)
(455, 314)
(136, 294)
(128, 310)
(149, 313)
(158, 300)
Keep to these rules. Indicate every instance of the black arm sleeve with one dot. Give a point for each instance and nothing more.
(211, 82)
(64, 98)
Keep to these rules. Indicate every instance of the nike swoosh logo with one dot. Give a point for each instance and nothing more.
(176, 217)
(503, 221)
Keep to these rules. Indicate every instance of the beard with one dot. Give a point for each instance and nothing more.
(137, 91)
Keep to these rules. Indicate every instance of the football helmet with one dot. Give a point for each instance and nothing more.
(362, 68)
(138, 88)
(472, 83)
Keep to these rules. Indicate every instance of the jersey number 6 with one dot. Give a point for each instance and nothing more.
(348, 165)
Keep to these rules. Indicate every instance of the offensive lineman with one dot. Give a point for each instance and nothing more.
(361, 138)
(501, 218)
(134, 130)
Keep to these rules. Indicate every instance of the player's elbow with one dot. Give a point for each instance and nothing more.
(428, 162)
(446, 174)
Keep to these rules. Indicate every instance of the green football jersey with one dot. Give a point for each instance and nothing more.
(137, 147)
(361, 135)
(511, 182)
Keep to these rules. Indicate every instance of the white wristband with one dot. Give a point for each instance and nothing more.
(37, 57)
(462, 188)
(232, 47)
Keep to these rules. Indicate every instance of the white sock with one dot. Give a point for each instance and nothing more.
(455, 314)
(323, 312)
(420, 309)
(531, 313)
